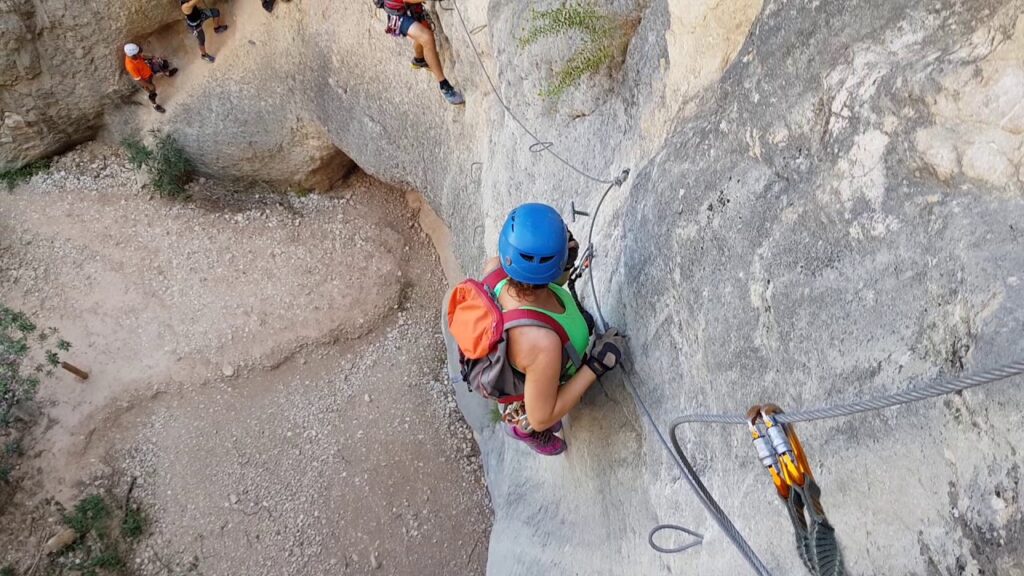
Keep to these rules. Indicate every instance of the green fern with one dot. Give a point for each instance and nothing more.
(583, 18)
(587, 61)
(169, 167)
(605, 39)
(138, 153)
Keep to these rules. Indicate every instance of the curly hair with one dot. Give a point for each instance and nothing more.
(523, 291)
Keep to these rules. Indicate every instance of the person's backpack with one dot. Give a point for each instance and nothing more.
(478, 327)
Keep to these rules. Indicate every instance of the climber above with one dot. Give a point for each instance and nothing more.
(409, 18)
(195, 17)
(533, 250)
(142, 68)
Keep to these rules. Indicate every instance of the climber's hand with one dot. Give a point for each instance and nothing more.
(574, 252)
(606, 353)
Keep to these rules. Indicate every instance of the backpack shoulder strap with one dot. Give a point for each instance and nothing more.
(520, 317)
(494, 278)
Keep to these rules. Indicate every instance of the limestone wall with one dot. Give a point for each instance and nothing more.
(826, 201)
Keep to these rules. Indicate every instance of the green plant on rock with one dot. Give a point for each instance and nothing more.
(12, 178)
(606, 38)
(168, 165)
(138, 153)
(89, 514)
(107, 535)
(172, 168)
(133, 525)
(27, 354)
(12, 449)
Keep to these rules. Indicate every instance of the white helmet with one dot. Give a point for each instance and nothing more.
(131, 49)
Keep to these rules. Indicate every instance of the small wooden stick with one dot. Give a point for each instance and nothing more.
(128, 494)
(75, 370)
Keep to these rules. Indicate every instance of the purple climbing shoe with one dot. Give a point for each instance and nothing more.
(544, 443)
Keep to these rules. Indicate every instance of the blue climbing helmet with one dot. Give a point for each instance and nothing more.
(534, 244)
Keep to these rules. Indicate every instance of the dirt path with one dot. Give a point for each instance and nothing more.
(268, 366)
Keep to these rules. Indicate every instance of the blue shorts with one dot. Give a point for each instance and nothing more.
(399, 24)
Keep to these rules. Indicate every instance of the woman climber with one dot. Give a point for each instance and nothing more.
(410, 19)
(533, 250)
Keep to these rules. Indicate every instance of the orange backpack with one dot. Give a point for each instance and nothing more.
(477, 325)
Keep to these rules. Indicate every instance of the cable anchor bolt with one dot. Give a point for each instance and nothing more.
(577, 212)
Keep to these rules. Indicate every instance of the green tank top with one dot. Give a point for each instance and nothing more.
(571, 320)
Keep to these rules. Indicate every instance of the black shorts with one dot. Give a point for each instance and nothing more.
(197, 30)
(159, 65)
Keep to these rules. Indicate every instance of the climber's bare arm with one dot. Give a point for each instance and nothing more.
(538, 353)
(188, 6)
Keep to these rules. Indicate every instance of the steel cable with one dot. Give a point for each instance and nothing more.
(933, 390)
(679, 457)
(693, 479)
(538, 144)
(685, 468)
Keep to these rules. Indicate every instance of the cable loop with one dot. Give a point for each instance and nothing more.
(676, 528)
(544, 146)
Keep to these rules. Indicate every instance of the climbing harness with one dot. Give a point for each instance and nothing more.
(781, 453)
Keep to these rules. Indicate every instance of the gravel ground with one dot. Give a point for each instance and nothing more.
(268, 367)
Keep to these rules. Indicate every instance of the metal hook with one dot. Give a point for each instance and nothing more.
(576, 212)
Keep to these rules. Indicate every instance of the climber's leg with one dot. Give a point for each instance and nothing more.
(423, 37)
(418, 62)
(218, 25)
(200, 35)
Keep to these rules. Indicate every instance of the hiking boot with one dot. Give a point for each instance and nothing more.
(208, 57)
(221, 28)
(453, 96)
(268, 5)
(544, 443)
(172, 72)
(159, 108)
(419, 64)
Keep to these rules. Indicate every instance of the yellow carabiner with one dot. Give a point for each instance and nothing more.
(766, 453)
(794, 460)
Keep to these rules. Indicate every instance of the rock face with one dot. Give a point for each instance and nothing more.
(61, 67)
(826, 202)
